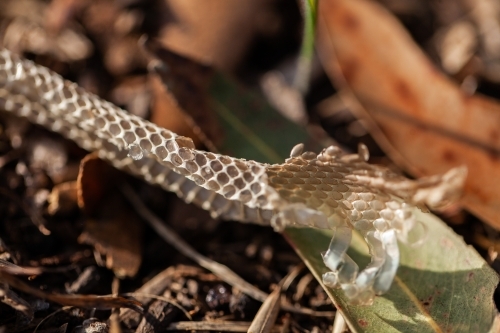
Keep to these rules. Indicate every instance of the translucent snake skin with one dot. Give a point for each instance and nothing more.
(326, 190)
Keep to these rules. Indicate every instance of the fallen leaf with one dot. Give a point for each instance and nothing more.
(63, 198)
(181, 102)
(95, 180)
(216, 32)
(420, 118)
(113, 229)
(117, 234)
(451, 292)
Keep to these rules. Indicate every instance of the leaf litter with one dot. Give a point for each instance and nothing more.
(99, 45)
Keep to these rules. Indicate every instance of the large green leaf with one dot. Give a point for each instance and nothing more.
(441, 286)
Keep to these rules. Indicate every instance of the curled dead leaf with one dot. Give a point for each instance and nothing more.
(114, 230)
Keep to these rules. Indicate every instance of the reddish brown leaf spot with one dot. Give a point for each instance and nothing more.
(493, 155)
(427, 302)
(470, 276)
(350, 69)
(494, 135)
(446, 243)
(449, 156)
(362, 323)
(403, 90)
(350, 22)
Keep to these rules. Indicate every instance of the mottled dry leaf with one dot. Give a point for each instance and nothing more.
(422, 120)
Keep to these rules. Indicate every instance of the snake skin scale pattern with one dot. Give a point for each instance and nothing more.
(327, 190)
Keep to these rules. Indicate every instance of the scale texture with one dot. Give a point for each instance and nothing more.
(328, 190)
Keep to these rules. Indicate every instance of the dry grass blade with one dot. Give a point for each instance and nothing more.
(266, 316)
(18, 270)
(161, 298)
(339, 324)
(233, 326)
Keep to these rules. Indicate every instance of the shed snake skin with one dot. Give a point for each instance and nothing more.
(328, 190)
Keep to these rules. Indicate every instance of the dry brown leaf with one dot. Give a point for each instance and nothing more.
(63, 198)
(60, 12)
(165, 111)
(421, 119)
(181, 95)
(95, 178)
(216, 32)
(114, 230)
(117, 234)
